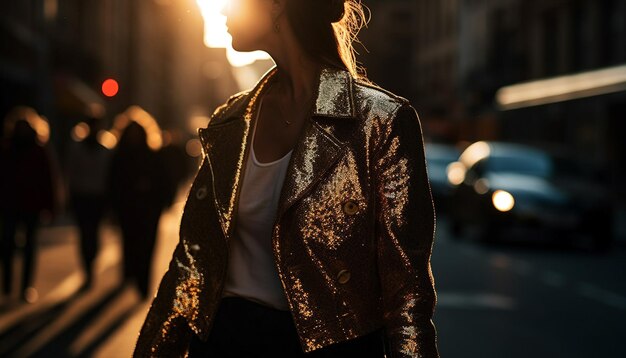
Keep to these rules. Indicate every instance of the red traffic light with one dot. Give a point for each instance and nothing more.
(110, 87)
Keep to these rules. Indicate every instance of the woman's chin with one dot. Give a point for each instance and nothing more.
(241, 46)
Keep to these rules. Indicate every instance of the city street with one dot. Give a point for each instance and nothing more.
(506, 300)
(108, 107)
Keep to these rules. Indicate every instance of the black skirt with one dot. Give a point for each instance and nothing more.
(245, 328)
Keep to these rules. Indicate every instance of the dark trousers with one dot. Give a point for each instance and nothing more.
(243, 328)
(11, 222)
(139, 233)
(88, 211)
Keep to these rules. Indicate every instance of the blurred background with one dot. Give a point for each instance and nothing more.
(523, 106)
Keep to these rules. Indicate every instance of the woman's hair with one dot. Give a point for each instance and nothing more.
(327, 30)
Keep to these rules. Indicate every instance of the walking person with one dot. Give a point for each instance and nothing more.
(27, 192)
(309, 226)
(87, 169)
(139, 193)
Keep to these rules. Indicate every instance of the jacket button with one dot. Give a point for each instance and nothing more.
(350, 207)
(201, 193)
(343, 276)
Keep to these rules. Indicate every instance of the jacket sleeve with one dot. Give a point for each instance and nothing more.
(165, 332)
(405, 224)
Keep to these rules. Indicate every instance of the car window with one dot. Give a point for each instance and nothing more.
(531, 164)
(441, 156)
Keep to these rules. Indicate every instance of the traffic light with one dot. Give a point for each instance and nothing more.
(110, 87)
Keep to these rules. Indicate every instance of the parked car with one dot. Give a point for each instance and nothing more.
(504, 187)
(438, 157)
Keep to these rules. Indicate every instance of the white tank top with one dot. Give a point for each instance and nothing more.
(252, 273)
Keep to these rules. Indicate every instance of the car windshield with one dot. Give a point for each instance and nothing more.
(535, 163)
(523, 163)
(440, 155)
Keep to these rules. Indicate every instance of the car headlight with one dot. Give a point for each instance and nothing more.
(456, 173)
(502, 200)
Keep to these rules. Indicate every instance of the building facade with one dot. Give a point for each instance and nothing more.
(504, 43)
(56, 54)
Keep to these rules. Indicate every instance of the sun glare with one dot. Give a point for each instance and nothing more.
(215, 34)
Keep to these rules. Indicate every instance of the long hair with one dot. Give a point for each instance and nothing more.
(328, 29)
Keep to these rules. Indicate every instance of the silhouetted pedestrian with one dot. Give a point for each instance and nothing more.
(87, 169)
(139, 192)
(26, 189)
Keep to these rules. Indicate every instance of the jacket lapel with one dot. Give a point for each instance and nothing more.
(313, 155)
(224, 148)
(227, 138)
(318, 149)
(225, 141)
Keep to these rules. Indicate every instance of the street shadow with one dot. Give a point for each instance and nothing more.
(19, 334)
(54, 331)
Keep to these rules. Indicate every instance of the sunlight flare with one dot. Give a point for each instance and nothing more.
(217, 36)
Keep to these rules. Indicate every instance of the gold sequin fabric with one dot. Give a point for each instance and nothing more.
(353, 234)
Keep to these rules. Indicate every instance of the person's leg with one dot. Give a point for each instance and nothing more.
(245, 329)
(88, 214)
(127, 238)
(144, 252)
(283, 339)
(7, 248)
(31, 223)
(226, 329)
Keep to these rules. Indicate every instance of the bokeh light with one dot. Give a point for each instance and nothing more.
(503, 200)
(475, 153)
(107, 139)
(80, 132)
(193, 147)
(456, 173)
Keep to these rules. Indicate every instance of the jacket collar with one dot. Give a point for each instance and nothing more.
(226, 140)
(333, 96)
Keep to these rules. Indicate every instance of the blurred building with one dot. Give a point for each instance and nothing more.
(24, 57)
(389, 63)
(436, 59)
(56, 54)
(511, 41)
(485, 68)
(412, 49)
(176, 77)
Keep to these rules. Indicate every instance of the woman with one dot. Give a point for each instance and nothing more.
(309, 226)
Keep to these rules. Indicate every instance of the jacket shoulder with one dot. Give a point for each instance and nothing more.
(230, 102)
(378, 100)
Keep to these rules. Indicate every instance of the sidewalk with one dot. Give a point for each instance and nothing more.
(122, 342)
(102, 322)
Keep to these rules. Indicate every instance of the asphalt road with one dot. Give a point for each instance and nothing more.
(526, 299)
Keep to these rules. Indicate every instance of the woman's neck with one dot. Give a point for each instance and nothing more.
(295, 83)
(297, 74)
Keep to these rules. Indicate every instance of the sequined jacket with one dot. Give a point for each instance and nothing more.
(353, 234)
